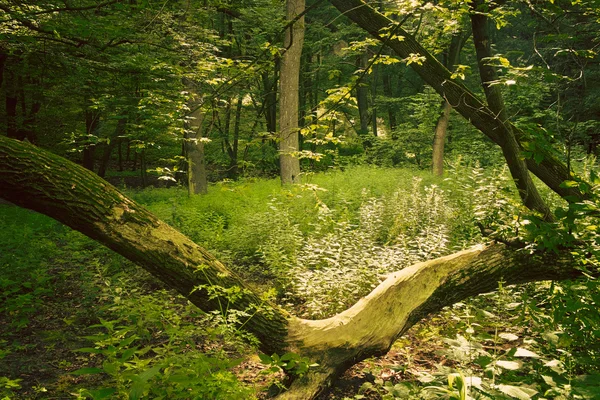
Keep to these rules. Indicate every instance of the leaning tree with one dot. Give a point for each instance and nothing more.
(36, 179)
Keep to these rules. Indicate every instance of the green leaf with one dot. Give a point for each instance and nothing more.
(569, 184)
(87, 371)
(149, 373)
(127, 354)
(510, 365)
(110, 368)
(525, 353)
(89, 350)
(128, 341)
(508, 336)
(521, 393)
(538, 157)
(265, 359)
(102, 393)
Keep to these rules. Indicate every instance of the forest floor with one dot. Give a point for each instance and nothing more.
(41, 332)
(78, 321)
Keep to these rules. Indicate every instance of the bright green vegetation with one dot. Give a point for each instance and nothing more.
(354, 101)
(79, 321)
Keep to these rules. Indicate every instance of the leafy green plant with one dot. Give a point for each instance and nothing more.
(291, 363)
(346, 255)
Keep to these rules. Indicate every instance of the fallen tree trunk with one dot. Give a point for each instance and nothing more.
(36, 179)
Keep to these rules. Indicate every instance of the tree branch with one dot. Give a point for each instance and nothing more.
(550, 170)
(84, 8)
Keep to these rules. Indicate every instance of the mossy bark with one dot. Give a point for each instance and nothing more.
(36, 179)
(372, 325)
(51, 185)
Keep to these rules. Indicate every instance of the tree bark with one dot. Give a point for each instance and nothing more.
(362, 96)
(441, 127)
(33, 178)
(194, 148)
(232, 147)
(439, 139)
(373, 84)
(3, 58)
(11, 100)
(550, 170)
(270, 100)
(80, 199)
(109, 147)
(92, 120)
(288, 98)
(388, 92)
(508, 142)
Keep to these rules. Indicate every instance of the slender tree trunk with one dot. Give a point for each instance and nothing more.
(29, 128)
(508, 142)
(3, 58)
(270, 100)
(109, 147)
(194, 149)
(12, 128)
(288, 99)
(374, 77)
(135, 159)
(234, 147)
(388, 92)
(439, 139)
(362, 96)
(92, 120)
(33, 178)
(441, 127)
(143, 168)
(120, 151)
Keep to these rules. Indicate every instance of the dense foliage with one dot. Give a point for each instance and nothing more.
(97, 327)
(113, 85)
(134, 90)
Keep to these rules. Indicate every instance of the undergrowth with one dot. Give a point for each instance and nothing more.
(81, 322)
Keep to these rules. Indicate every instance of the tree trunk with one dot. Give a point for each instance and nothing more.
(507, 140)
(270, 101)
(109, 147)
(234, 172)
(29, 128)
(33, 178)
(288, 98)
(194, 148)
(92, 119)
(143, 168)
(441, 127)
(388, 92)
(120, 152)
(362, 96)
(373, 87)
(11, 107)
(3, 58)
(550, 170)
(439, 139)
